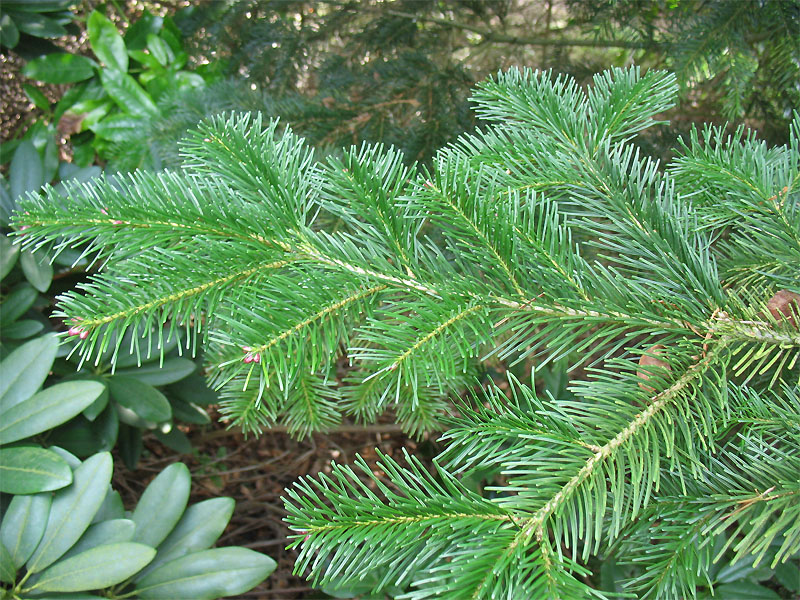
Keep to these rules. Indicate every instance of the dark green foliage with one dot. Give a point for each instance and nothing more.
(741, 57)
(25, 24)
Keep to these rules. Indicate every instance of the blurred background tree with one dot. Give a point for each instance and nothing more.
(398, 72)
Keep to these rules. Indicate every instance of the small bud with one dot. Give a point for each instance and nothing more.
(649, 360)
(248, 358)
(104, 211)
(257, 358)
(83, 334)
(246, 348)
(785, 306)
(74, 330)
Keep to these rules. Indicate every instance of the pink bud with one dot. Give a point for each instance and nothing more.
(246, 348)
(257, 358)
(103, 210)
(428, 183)
(248, 358)
(116, 222)
(74, 330)
(305, 538)
(83, 334)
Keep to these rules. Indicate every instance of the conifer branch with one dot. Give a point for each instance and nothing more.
(179, 296)
(535, 525)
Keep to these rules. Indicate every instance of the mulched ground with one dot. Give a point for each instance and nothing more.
(255, 473)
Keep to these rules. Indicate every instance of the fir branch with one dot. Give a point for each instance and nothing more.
(535, 525)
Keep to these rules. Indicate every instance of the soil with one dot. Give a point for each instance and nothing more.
(255, 472)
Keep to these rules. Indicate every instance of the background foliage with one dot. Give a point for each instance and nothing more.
(399, 74)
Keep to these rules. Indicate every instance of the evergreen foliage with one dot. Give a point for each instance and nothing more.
(742, 57)
(342, 73)
(544, 236)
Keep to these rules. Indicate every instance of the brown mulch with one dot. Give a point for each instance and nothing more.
(255, 472)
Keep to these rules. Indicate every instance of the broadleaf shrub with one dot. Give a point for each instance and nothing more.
(80, 539)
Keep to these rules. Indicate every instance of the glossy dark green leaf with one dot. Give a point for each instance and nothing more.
(22, 330)
(92, 411)
(175, 440)
(189, 412)
(72, 510)
(106, 42)
(206, 575)
(83, 154)
(25, 369)
(59, 68)
(9, 252)
(199, 527)
(142, 399)
(162, 505)
(7, 570)
(36, 96)
(73, 95)
(112, 531)
(127, 416)
(30, 470)
(128, 94)
(50, 160)
(171, 34)
(106, 428)
(7, 204)
(148, 60)
(742, 569)
(17, 304)
(47, 409)
(136, 35)
(72, 172)
(23, 525)
(37, 269)
(160, 50)
(97, 568)
(9, 34)
(118, 128)
(787, 573)
(744, 590)
(38, 25)
(195, 390)
(26, 172)
(130, 445)
(173, 369)
(38, 5)
(77, 436)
